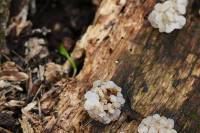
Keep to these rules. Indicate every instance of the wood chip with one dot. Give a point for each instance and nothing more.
(26, 126)
(29, 107)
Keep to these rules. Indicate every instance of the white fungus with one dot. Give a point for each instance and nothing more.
(104, 101)
(122, 2)
(156, 124)
(168, 16)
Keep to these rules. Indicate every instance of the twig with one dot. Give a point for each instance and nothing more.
(37, 93)
(39, 107)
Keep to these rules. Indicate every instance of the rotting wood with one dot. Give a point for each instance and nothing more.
(4, 11)
(159, 73)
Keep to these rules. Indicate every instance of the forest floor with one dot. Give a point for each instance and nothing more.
(40, 36)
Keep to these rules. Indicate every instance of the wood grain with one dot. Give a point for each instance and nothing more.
(159, 73)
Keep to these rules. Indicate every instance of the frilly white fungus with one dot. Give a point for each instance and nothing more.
(156, 124)
(168, 16)
(104, 101)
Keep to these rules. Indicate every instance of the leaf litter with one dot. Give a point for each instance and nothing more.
(32, 74)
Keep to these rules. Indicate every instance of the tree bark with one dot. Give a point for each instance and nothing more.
(159, 73)
(4, 14)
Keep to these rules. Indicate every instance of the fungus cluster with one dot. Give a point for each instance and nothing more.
(168, 16)
(156, 124)
(104, 101)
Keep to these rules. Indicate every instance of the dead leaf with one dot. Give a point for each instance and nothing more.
(19, 22)
(13, 76)
(3, 130)
(53, 72)
(15, 103)
(35, 46)
(9, 71)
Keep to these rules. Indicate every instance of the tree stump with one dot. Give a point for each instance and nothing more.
(159, 73)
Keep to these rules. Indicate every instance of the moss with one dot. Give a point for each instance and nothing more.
(194, 116)
(198, 125)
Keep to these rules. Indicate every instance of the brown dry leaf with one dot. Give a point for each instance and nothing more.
(9, 66)
(6, 84)
(10, 72)
(53, 72)
(19, 22)
(15, 103)
(13, 76)
(36, 46)
(21, 25)
(3, 130)
(26, 126)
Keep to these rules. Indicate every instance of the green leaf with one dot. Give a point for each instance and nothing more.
(65, 53)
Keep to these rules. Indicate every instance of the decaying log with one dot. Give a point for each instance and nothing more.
(4, 14)
(159, 73)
